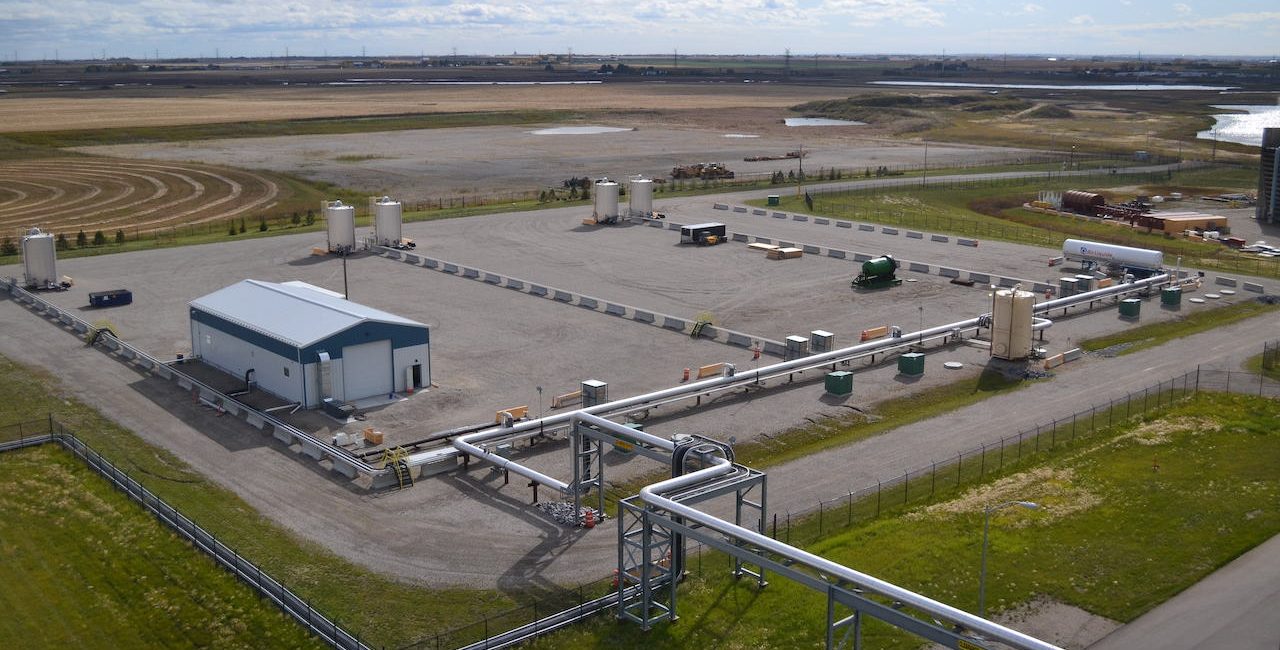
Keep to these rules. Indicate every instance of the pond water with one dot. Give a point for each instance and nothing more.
(1245, 128)
(820, 121)
(958, 84)
(579, 130)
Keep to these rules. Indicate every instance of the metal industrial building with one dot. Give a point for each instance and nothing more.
(305, 344)
(1268, 210)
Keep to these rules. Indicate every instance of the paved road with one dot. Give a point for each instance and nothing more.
(1235, 608)
(1093, 381)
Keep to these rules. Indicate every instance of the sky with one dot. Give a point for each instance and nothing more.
(143, 29)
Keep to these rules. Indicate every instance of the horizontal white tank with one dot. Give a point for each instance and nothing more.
(39, 259)
(641, 197)
(1127, 256)
(388, 217)
(606, 201)
(341, 221)
(1011, 320)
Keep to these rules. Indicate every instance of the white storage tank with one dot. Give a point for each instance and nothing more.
(606, 210)
(641, 197)
(388, 217)
(1122, 256)
(341, 220)
(1011, 319)
(39, 259)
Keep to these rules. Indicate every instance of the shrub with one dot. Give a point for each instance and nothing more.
(82, 239)
(119, 236)
(7, 247)
(296, 218)
(61, 242)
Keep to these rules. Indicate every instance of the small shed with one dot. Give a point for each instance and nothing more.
(306, 344)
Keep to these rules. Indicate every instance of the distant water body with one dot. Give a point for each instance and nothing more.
(1245, 128)
(820, 121)
(957, 84)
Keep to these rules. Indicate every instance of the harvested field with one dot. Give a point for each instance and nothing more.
(67, 194)
(170, 107)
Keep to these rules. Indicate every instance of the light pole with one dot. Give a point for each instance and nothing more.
(539, 409)
(986, 525)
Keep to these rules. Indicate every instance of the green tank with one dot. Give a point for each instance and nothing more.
(880, 266)
(877, 272)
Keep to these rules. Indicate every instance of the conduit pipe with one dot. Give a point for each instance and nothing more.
(1087, 296)
(468, 443)
(653, 495)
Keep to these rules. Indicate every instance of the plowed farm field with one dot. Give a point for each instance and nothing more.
(70, 194)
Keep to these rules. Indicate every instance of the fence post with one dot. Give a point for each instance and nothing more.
(933, 479)
(1197, 378)
(849, 507)
(819, 519)
(877, 498)
(906, 485)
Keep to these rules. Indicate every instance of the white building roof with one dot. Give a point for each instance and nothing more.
(296, 313)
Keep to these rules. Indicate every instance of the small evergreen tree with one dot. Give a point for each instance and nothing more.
(99, 239)
(311, 217)
(119, 236)
(242, 225)
(231, 228)
(82, 239)
(60, 242)
(262, 224)
(296, 218)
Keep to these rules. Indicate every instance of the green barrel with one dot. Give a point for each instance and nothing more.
(911, 363)
(840, 382)
(1130, 308)
(774, 199)
(1171, 296)
(879, 266)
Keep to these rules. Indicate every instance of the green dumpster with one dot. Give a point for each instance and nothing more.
(774, 199)
(1171, 296)
(1130, 308)
(911, 363)
(840, 382)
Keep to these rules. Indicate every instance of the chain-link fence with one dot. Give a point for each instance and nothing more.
(921, 484)
(1271, 355)
(23, 434)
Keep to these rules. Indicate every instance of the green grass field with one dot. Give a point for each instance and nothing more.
(1130, 517)
(992, 210)
(85, 567)
(399, 614)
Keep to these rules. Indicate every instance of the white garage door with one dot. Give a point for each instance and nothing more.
(366, 370)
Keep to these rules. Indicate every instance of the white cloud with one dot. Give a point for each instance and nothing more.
(1082, 19)
(1182, 9)
(1032, 8)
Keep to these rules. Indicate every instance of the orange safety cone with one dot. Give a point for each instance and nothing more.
(590, 519)
(686, 375)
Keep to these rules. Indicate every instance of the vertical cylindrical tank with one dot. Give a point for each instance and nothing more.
(387, 220)
(641, 197)
(39, 259)
(606, 201)
(1011, 320)
(341, 221)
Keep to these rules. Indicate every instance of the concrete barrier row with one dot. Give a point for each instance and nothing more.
(906, 265)
(665, 321)
(865, 227)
